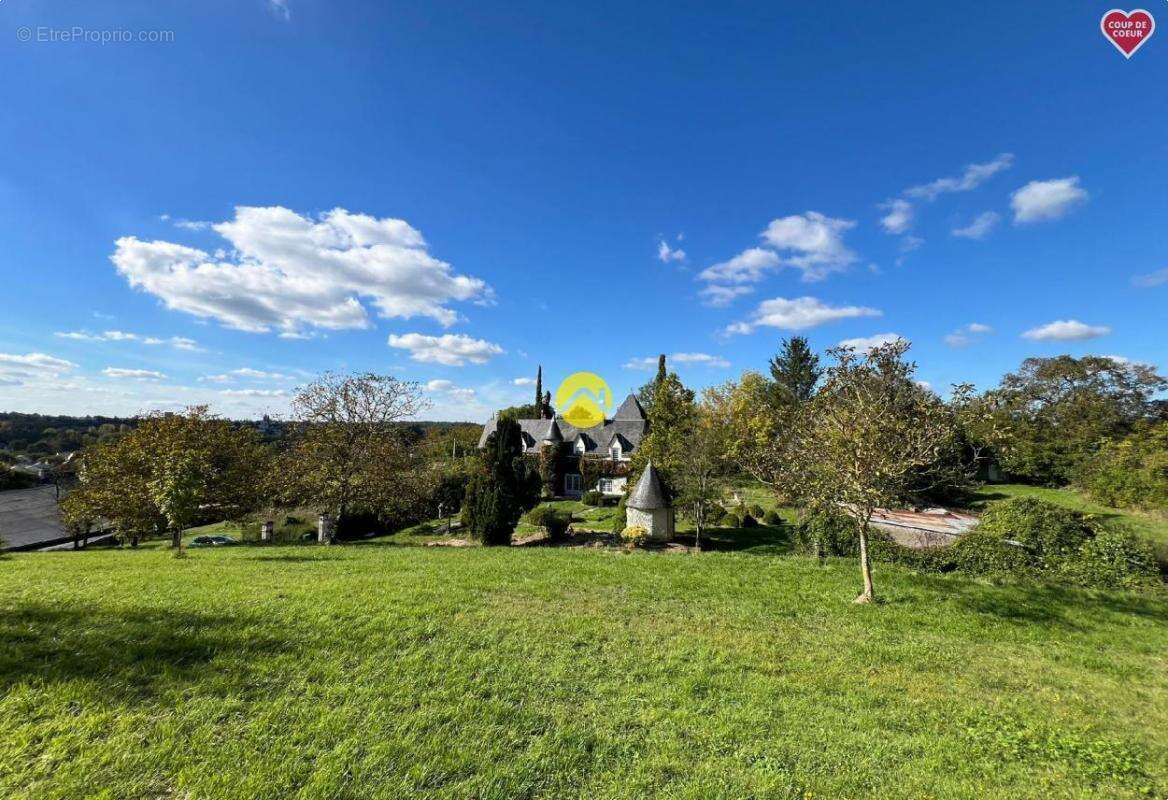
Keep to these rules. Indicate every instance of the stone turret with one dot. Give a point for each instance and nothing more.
(647, 507)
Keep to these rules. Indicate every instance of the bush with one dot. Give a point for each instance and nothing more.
(1027, 536)
(592, 498)
(634, 535)
(745, 520)
(1131, 472)
(756, 511)
(772, 518)
(618, 520)
(827, 534)
(553, 521)
(716, 515)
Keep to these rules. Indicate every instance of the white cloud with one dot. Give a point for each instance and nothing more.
(749, 266)
(450, 389)
(865, 344)
(813, 243)
(665, 253)
(798, 314)
(288, 272)
(698, 359)
(899, 218)
(453, 350)
(1038, 201)
(177, 342)
(967, 334)
(722, 296)
(980, 227)
(16, 370)
(973, 176)
(1157, 278)
(280, 9)
(523, 382)
(136, 374)
(253, 393)
(246, 373)
(1068, 330)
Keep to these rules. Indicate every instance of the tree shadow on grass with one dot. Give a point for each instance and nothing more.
(1034, 602)
(764, 540)
(132, 654)
(291, 559)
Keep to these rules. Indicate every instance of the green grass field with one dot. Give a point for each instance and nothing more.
(386, 671)
(1150, 526)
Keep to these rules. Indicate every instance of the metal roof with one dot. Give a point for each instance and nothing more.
(30, 518)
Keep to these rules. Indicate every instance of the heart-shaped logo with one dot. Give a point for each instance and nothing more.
(1127, 30)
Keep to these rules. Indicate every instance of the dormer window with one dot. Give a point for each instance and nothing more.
(615, 452)
(580, 446)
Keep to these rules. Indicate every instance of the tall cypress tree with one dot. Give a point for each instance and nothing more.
(795, 370)
(539, 392)
(647, 392)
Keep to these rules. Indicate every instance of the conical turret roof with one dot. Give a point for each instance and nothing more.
(648, 494)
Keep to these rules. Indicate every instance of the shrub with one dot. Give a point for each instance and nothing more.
(553, 521)
(746, 521)
(1115, 560)
(1031, 537)
(618, 520)
(716, 515)
(756, 511)
(1131, 472)
(592, 498)
(825, 533)
(772, 518)
(634, 535)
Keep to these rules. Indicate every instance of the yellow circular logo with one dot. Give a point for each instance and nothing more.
(583, 399)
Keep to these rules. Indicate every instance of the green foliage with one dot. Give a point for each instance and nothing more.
(716, 515)
(755, 510)
(772, 518)
(1130, 472)
(671, 418)
(1055, 412)
(502, 489)
(1027, 536)
(592, 498)
(553, 521)
(826, 534)
(795, 371)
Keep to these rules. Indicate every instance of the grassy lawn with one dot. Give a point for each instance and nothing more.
(383, 671)
(1149, 526)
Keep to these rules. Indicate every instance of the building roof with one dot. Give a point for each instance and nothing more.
(630, 409)
(629, 425)
(30, 517)
(648, 494)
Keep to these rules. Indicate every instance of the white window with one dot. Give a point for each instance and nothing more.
(615, 452)
(572, 483)
(605, 486)
(579, 445)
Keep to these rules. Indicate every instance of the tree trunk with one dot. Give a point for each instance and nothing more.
(176, 538)
(698, 532)
(869, 593)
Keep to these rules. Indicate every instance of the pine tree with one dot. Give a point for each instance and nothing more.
(539, 392)
(795, 370)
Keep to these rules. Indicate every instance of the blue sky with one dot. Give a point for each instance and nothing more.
(453, 193)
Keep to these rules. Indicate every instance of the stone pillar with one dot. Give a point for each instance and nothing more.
(266, 531)
(324, 529)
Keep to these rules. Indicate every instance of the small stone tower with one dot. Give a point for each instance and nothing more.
(648, 508)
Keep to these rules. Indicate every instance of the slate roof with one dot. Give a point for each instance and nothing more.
(648, 494)
(628, 427)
